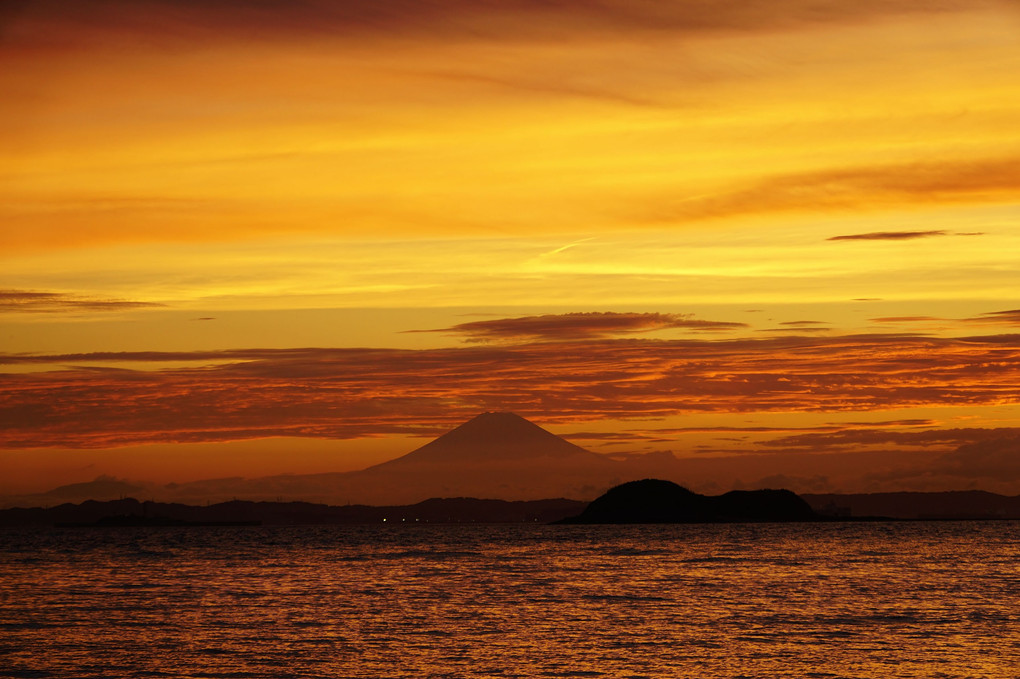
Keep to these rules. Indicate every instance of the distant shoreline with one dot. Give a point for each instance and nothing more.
(468, 511)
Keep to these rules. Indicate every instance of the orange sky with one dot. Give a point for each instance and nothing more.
(306, 236)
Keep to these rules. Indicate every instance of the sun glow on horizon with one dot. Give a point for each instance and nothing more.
(452, 178)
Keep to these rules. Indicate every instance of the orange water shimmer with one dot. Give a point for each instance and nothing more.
(865, 600)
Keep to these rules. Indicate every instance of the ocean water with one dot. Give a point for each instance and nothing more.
(767, 600)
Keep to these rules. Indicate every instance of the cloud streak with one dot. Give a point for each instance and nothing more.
(29, 301)
(988, 458)
(176, 21)
(576, 326)
(906, 319)
(352, 393)
(854, 438)
(863, 188)
(1008, 317)
(890, 235)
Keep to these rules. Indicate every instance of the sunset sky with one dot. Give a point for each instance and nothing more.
(262, 237)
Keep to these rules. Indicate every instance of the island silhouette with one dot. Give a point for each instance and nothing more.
(658, 501)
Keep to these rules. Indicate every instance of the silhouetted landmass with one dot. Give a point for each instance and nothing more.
(666, 499)
(493, 437)
(657, 501)
(952, 505)
(494, 454)
(129, 511)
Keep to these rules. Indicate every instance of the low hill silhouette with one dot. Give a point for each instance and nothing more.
(658, 501)
(132, 512)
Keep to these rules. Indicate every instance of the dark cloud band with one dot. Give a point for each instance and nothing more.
(350, 393)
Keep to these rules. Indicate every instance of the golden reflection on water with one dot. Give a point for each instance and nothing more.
(835, 600)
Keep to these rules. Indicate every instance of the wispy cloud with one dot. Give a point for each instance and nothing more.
(987, 458)
(906, 319)
(860, 189)
(581, 326)
(30, 301)
(827, 441)
(1008, 317)
(889, 235)
(177, 20)
(564, 248)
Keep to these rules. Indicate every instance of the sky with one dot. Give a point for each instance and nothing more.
(266, 237)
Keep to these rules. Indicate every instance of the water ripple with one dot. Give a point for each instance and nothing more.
(859, 601)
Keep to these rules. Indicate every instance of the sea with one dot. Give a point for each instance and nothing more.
(399, 600)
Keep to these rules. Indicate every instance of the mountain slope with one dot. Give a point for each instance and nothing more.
(493, 455)
(495, 437)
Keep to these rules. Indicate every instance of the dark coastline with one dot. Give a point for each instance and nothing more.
(830, 508)
(129, 512)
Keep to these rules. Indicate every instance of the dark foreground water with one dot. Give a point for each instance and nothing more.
(835, 600)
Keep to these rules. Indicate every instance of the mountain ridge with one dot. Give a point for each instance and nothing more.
(493, 437)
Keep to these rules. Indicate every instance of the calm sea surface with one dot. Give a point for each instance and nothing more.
(775, 600)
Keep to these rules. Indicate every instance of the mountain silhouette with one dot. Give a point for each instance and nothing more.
(658, 501)
(494, 455)
(494, 438)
